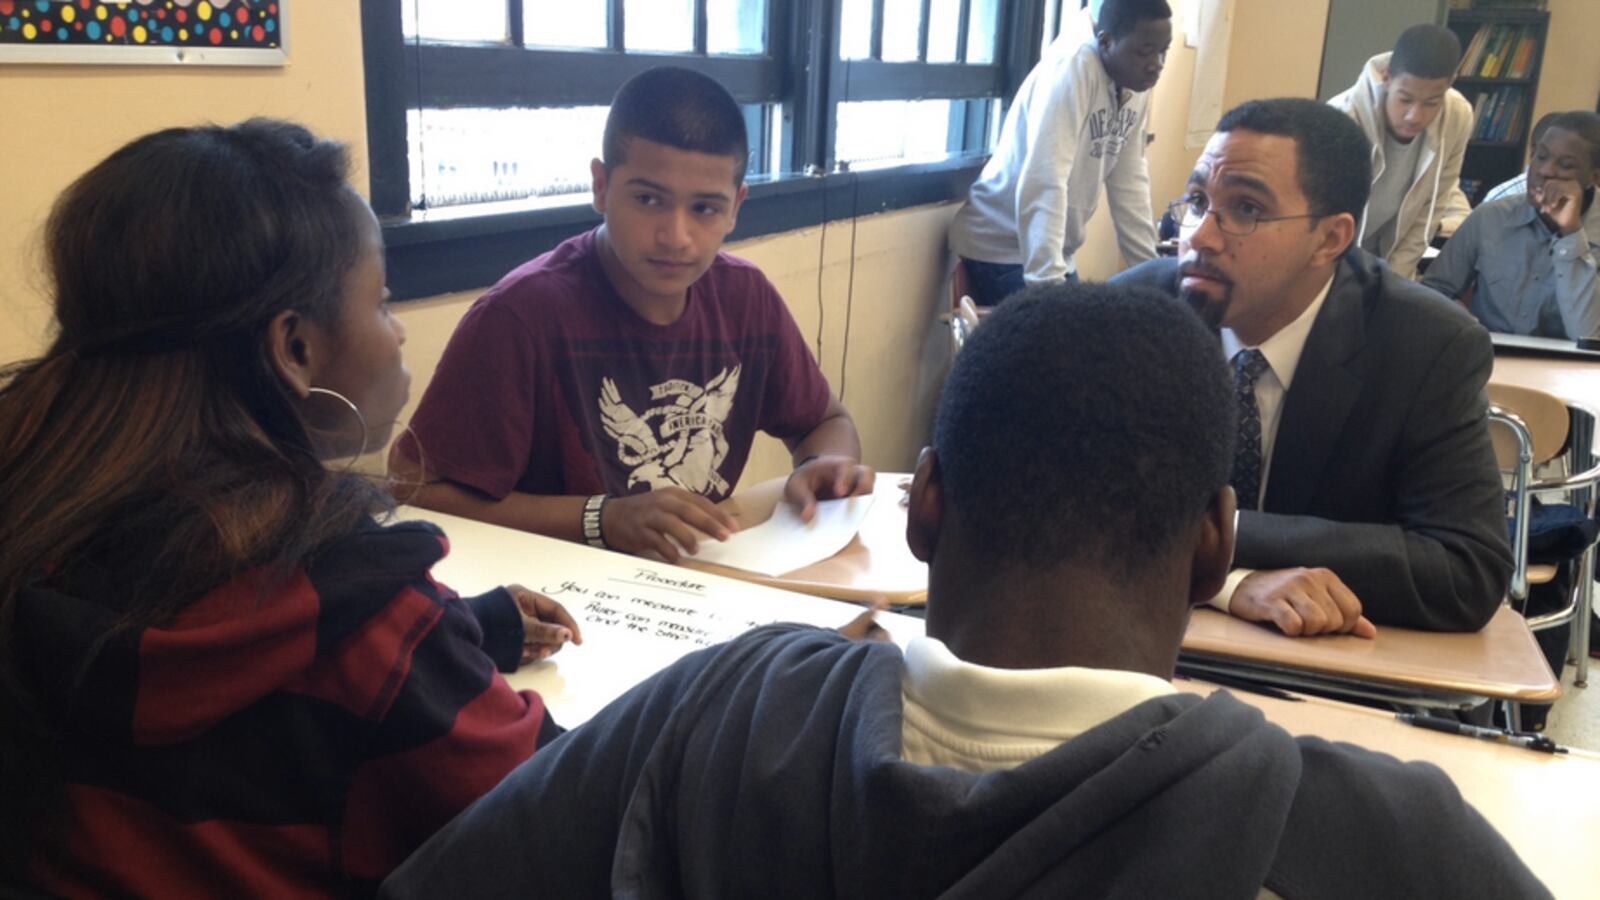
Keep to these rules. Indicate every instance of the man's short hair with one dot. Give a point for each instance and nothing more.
(680, 108)
(1585, 125)
(1120, 17)
(1426, 51)
(1335, 159)
(1085, 422)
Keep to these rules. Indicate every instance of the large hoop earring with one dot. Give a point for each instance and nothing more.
(362, 420)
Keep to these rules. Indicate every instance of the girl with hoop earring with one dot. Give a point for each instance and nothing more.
(219, 674)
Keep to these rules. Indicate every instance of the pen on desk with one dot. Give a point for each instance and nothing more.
(1536, 742)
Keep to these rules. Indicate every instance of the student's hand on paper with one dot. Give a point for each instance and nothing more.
(865, 627)
(656, 524)
(1561, 201)
(546, 624)
(826, 478)
(1301, 602)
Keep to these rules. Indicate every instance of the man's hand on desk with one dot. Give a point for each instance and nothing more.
(657, 524)
(826, 478)
(1301, 602)
(546, 624)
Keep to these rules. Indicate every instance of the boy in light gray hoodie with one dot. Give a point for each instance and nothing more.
(1419, 126)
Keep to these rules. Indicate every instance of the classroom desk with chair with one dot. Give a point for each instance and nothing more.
(639, 616)
(1558, 368)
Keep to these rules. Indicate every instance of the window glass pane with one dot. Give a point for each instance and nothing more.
(1052, 22)
(855, 30)
(564, 23)
(666, 25)
(944, 21)
(981, 31)
(902, 19)
(887, 132)
(455, 20)
(466, 156)
(736, 26)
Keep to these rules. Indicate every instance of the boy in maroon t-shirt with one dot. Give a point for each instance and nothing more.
(610, 389)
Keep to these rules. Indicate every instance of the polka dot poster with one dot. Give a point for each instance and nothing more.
(199, 24)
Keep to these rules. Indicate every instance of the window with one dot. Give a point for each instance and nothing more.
(483, 114)
(505, 99)
(1065, 16)
(917, 80)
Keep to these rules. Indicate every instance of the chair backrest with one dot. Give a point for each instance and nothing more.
(1545, 416)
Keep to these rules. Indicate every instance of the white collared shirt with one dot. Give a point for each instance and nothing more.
(1282, 352)
(978, 718)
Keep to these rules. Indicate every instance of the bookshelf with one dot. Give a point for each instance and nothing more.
(1502, 55)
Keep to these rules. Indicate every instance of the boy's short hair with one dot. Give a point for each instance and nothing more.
(1085, 422)
(1335, 158)
(1585, 125)
(1426, 51)
(1119, 18)
(679, 108)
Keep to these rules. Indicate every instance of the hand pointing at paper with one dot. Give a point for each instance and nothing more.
(826, 478)
(546, 624)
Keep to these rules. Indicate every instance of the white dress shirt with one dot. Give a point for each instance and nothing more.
(978, 719)
(1282, 352)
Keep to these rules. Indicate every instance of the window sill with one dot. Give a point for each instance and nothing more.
(447, 252)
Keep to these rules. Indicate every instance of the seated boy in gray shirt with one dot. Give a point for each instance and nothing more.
(1530, 256)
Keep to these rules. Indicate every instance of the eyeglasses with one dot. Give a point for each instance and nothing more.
(1190, 212)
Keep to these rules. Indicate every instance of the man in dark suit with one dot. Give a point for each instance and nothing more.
(1367, 483)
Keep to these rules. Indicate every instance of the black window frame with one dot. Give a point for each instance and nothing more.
(455, 251)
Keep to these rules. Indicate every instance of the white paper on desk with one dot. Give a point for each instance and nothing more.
(783, 543)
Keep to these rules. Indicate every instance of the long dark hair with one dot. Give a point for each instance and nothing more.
(154, 441)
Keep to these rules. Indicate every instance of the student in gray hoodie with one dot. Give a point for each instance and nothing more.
(1419, 126)
(1073, 509)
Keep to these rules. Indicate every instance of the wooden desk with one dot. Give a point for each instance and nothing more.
(637, 616)
(1575, 381)
(877, 565)
(1542, 804)
(1451, 671)
(1515, 789)
(1501, 662)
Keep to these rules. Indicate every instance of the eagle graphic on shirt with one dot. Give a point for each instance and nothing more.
(679, 441)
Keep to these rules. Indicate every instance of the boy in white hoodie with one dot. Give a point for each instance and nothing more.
(1077, 122)
(1419, 127)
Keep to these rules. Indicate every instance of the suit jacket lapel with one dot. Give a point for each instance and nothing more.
(1320, 398)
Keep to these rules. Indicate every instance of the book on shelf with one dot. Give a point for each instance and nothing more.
(1505, 36)
(1522, 65)
(1499, 50)
(1503, 63)
(1499, 113)
(1474, 51)
(1499, 127)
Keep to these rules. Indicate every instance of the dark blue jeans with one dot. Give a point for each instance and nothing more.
(992, 282)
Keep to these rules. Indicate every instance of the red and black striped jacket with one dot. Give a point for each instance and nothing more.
(286, 735)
